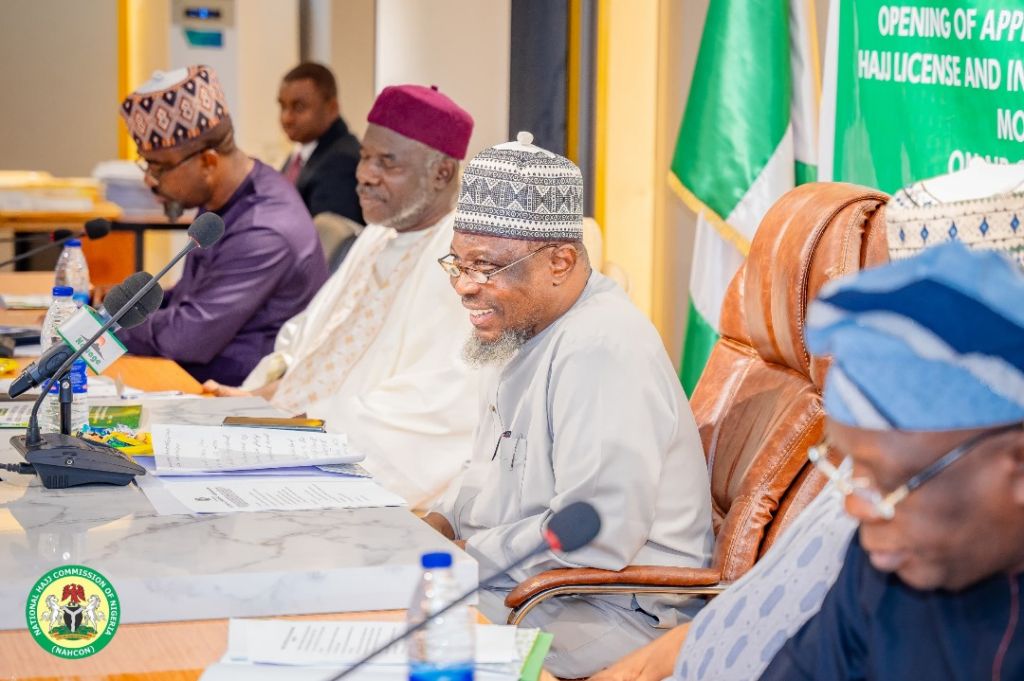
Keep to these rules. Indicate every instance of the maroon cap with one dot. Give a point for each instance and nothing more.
(425, 115)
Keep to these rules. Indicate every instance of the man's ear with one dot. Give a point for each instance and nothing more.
(563, 261)
(1017, 476)
(446, 172)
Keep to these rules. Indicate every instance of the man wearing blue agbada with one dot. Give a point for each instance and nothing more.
(926, 396)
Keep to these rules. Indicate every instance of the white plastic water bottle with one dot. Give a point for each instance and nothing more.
(62, 307)
(72, 270)
(443, 650)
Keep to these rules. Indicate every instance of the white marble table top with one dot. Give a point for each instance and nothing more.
(169, 568)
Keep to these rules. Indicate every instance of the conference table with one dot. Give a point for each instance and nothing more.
(179, 578)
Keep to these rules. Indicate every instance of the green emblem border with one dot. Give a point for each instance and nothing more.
(36, 629)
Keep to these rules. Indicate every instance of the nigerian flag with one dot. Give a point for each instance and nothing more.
(748, 135)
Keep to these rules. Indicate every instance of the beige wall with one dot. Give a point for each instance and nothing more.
(462, 46)
(59, 79)
(343, 36)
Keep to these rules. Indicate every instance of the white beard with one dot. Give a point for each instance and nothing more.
(479, 353)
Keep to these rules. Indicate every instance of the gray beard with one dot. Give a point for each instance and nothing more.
(479, 353)
(413, 213)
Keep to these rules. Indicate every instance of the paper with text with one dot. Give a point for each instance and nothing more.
(185, 450)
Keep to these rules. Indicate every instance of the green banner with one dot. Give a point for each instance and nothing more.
(922, 87)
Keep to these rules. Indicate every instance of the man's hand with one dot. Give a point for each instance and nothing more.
(441, 524)
(219, 390)
(654, 662)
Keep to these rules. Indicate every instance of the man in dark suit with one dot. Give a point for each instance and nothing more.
(323, 164)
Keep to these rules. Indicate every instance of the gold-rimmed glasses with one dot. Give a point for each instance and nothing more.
(455, 270)
(883, 506)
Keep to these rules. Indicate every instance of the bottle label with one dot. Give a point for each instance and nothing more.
(79, 379)
(433, 672)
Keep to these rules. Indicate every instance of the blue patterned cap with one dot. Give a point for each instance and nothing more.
(520, 191)
(934, 342)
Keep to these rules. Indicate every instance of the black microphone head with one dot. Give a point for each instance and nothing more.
(62, 234)
(206, 229)
(97, 229)
(119, 296)
(573, 527)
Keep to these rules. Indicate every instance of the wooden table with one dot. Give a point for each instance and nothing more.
(169, 651)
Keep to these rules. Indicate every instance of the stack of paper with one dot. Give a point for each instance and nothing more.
(190, 450)
(215, 469)
(317, 650)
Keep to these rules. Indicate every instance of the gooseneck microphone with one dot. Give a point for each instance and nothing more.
(94, 229)
(66, 461)
(46, 366)
(570, 529)
(55, 235)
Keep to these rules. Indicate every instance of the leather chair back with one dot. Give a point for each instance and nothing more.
(758, 402)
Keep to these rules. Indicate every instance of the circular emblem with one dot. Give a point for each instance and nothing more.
(72, 611)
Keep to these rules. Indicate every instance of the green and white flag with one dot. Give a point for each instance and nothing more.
(748, 136)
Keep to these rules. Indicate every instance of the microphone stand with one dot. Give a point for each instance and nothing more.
(38, 249)
(543, 546)
(32, 441)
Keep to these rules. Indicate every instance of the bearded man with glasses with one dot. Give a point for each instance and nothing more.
(579, 403)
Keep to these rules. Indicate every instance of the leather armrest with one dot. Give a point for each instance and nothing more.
(639, 575)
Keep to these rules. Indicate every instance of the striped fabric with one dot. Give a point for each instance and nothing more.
(934, 342)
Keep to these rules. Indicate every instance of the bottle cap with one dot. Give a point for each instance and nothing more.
(73, 242)
(440, 559)
(63, 291)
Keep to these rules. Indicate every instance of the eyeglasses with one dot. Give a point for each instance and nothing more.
(883, 506)
(455, 270)
(156, 171)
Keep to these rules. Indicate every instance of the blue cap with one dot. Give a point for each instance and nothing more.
(934, 342)
(73, 242)
(440, 559)
(63, 291)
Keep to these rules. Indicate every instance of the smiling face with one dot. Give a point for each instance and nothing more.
(963, 525)
(524, 299)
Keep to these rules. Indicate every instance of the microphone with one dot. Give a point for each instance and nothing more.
(570, 529)
(46, 366)
(65, 461)
(94, 229)
(117, 298)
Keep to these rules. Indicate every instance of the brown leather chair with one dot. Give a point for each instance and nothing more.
(758, 402)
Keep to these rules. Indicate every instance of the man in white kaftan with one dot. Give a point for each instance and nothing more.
(377, 352)
(579, 402)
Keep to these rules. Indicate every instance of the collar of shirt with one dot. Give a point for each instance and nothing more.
(304, 151)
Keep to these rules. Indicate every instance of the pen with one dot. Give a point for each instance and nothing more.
(159, 393)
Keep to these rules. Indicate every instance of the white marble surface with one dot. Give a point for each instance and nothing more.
(185, 567)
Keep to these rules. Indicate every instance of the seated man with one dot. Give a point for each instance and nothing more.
(803, 563)
(323, 165)
(233, 297)
(926, 395)
(376, 354)
(579, 402)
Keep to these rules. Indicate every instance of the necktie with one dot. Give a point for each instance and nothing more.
(294, 168)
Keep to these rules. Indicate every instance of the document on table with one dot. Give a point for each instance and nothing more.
(247, 494)
(278, 650)
(15, 414)
(190, 450)
(305, 642)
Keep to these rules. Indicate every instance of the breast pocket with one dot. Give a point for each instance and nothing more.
(501, 495)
